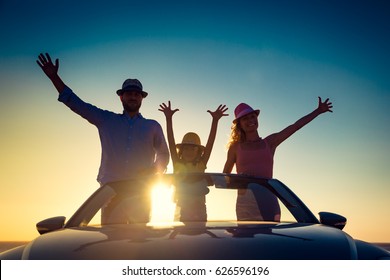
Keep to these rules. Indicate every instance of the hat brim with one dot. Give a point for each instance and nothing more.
(178, 146)
(121, 91)
(257, 111)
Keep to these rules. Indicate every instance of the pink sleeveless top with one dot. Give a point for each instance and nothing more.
(256, 162)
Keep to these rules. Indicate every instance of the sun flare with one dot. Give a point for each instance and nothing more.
(163, 207)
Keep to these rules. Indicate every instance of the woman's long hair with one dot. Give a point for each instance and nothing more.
(237, 134)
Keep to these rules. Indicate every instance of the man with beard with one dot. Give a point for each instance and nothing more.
(131, 145)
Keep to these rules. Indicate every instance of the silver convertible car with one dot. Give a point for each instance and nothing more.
(198, 216)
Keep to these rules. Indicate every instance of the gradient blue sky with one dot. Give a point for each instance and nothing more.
(277, 56)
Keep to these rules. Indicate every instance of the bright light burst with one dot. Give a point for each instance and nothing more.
(163, 207)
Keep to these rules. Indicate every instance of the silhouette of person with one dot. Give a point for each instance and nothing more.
(254, 155)
(190, 156)
(131, 145)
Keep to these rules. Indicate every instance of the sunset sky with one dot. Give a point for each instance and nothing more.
(277, 56)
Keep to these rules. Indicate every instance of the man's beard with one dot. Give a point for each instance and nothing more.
(133, 107)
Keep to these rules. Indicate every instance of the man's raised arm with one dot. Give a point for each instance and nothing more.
(51, 70)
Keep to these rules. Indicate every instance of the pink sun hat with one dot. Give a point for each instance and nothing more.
(243, 109)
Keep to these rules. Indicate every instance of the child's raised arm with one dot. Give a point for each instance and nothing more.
(168, 112)
(217, 114)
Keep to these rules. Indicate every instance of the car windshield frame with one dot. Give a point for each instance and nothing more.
(99, 198)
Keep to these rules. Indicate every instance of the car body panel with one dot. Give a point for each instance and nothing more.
(268, 241)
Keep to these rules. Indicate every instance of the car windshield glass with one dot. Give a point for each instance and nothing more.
(173, 199)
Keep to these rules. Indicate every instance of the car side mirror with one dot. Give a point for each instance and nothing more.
(50, 224)
(333, 220)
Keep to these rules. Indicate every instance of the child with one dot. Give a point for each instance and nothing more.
(190, 156)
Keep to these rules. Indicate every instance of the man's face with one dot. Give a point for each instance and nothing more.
(131, 101)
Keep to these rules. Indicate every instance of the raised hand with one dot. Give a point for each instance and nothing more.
(167, 110)
(325, 106)
(219, 113)
(47, 66)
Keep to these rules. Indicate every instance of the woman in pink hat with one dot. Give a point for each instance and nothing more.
(190, 156)
(253, 155)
